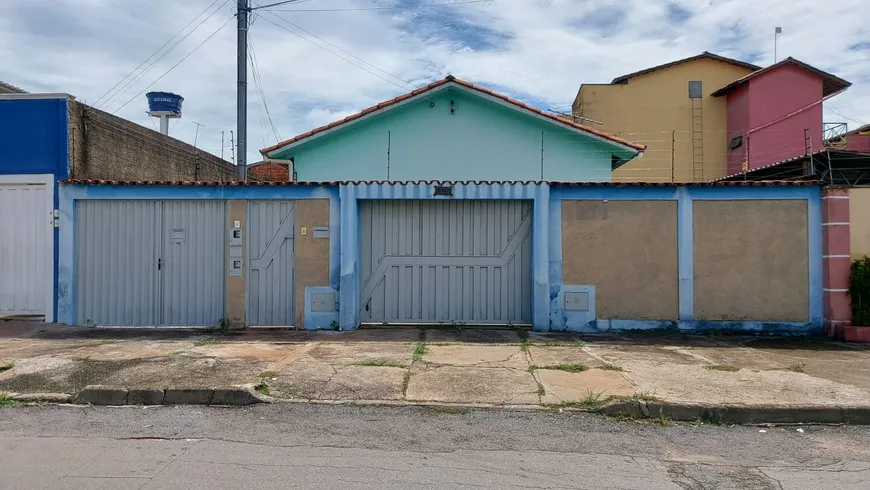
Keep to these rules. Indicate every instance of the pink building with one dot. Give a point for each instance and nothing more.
(855, 140)
(776, 113)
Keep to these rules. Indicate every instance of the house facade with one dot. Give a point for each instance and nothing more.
(707, 117)
(343, 246)
(45, 138)
(454, 130)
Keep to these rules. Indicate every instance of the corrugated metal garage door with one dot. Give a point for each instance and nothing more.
(271, 226)
(150, 262)
(26, 247)
(445, 262)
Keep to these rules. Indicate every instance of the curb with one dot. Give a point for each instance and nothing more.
(229, 395)
(738, 414)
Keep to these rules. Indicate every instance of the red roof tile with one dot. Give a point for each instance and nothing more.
(832, 83)
(435, 182)
(468, 85)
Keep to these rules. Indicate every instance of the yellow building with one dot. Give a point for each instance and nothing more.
(669, 109)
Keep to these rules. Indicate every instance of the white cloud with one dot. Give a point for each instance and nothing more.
(540, 50)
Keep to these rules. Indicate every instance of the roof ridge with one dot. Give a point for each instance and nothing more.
(444, 81)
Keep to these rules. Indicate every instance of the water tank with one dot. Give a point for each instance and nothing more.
(164, 103)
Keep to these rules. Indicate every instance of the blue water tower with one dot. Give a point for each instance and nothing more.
(166, 106)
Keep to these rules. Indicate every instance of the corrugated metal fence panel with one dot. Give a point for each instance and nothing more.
(117, 246)
(24, 243)
(271, 228)
(193, 275)
(445, 261)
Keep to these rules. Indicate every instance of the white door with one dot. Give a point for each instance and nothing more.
(26, 250)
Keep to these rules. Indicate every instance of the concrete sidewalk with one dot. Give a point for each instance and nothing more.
(492, 367)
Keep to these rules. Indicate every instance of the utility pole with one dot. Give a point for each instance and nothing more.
(222, 145)
(232, 148)
(242, 89)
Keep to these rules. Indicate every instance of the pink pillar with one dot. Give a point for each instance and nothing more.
(836, 259)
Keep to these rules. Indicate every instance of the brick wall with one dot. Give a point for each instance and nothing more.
(103, 146)
(269, 171)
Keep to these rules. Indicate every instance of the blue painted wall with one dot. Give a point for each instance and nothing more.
(480, 140)
(547, 287)
(34, 137)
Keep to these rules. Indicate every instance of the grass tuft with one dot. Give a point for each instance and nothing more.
(207, 342)
(523, 334)
(571, 368)
(7, 367)
(798, 367)
(379, 363)
(6, 401)
(562, 344)
(419, 350)
(610, 367)
(263, 386)
(722, 367)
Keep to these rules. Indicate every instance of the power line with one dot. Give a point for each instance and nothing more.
(126, 86)
(96, 102)
(340, 49)
(397, 7)
(176, 64)
(258, 85)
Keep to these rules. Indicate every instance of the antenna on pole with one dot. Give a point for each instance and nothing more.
(776, 32)
(196, 135)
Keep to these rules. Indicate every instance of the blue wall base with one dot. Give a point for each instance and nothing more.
(320, 320)
(698, 327)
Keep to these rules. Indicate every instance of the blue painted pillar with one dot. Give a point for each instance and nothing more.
(557, 320)
(348, 294)
(686, 254)
(815, 264)
(541, 259)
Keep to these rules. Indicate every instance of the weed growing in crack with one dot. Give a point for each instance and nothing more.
(722, 367)
(207, 342)
(81, 358)
(610, 367)
(7, 367)
(592, 401)
(577, 344)
(571, 368)
(422, 335)
(641, 396)
(419, 350)
(263, 386)
(6, 401)
(523, 334)
(541, 390)
(379, 363)
(798, 367)
(663, 419)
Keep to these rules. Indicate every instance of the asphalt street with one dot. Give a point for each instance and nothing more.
(319, 446)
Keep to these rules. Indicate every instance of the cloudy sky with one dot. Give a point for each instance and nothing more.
(320, 60)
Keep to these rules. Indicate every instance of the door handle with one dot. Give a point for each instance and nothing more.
(159, 264)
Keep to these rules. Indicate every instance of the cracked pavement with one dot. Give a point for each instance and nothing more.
(318, 446)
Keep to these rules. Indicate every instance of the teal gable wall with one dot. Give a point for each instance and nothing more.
(481, 140)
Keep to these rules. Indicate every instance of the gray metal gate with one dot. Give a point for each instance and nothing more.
(271, 226)
(445, 262)
(150, 262)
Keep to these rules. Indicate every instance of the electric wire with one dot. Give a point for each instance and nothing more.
(396, 7)
(127, 86)
(176, 64)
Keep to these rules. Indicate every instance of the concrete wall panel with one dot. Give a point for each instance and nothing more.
(859, 206)
(236, 292)
(751, 260)
(312, 254)
(628, 251)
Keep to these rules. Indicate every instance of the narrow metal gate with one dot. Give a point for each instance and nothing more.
(271, 231)
(436, 262)
(150, 263)
(26, 251)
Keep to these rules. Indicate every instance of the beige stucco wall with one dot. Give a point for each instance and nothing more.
(859, 224)
(628, 251)
(312, 254)
(650, 107)
(751, 260)
(236, 292)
